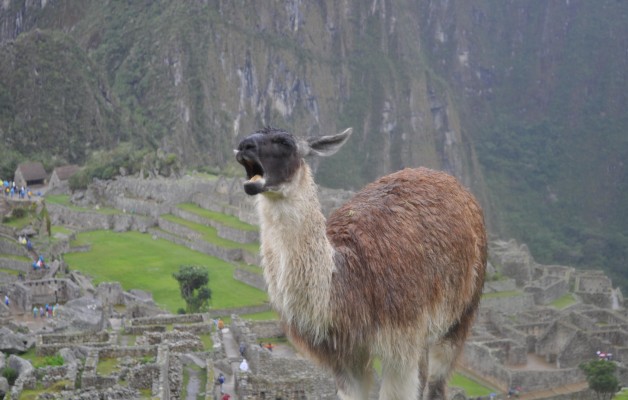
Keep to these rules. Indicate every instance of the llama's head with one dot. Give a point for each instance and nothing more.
(271, 157)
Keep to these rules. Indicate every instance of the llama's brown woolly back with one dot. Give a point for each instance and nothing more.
(395, 274)
(409, 221)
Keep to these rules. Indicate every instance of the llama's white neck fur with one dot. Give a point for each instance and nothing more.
(297, 256)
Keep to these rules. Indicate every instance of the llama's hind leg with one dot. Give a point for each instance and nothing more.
(443, 356)
(400, 382)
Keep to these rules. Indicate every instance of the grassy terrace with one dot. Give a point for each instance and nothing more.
(472, 388)
(138, 261)
(15, 257)
(10, 271)
(564, 301)
(210, 235)
(64, 200)
(224, 219)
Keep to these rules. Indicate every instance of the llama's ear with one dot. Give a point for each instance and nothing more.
(324, 145)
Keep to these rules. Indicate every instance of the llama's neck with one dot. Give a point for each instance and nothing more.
(297, 256)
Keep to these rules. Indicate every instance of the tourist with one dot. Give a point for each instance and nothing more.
(270, 346)
(6, 300)
(221, 381)
(35, 312)
(242, 349)
(225, 396)
(244, 366)
(221, 325)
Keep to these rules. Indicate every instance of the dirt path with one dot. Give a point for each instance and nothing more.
(193, 387)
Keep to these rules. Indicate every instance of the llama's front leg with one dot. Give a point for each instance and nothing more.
(354, 379)
(401, 381)
(350, 388)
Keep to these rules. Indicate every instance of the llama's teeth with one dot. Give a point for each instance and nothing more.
(255, 178)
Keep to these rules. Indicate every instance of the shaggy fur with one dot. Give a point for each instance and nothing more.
(396, 273)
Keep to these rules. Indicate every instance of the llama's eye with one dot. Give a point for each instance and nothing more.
(281, 141)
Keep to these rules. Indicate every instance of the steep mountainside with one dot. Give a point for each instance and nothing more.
(190, 77)
(523, 101)
(545, 87)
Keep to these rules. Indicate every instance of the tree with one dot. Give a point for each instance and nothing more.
(193, 281)
(601, 378)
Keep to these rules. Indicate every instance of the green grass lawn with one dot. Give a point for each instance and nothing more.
(472, 388)
(61, 229)
(10, 271)
(15, 257)
(138, 261)
(622, 395)
(563, 301)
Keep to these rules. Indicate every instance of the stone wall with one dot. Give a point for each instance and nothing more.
(110, 293)
(225, 232)
(142, 329)
(478, 358)
(50, 375)
(167, 319)
(216, 313)
(547, 289)
(509, 305)
(13, 248)
(50, 344)
(135, 206)
(74, 339)
(540, 380)
(237, 235)
(267, 329)
(198, 329)
(49, 291)
(250, 278)
(272, 376)
(128, 351)
(15, 265)
(229, 255)
(88, 220)
(515, 260)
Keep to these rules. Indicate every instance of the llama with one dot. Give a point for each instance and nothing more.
(396, 273)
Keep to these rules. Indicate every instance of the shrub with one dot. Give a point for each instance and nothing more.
(19, 212)
(51, 361)
(10, 374)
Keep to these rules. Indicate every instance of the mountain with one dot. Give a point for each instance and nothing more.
(522, 101)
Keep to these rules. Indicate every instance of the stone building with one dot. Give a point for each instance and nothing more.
(60, 178)
(30, 174)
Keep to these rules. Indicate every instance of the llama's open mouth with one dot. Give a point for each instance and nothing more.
(255, 174)
(254, 170)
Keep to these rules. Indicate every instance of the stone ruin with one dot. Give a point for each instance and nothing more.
(519, 340)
